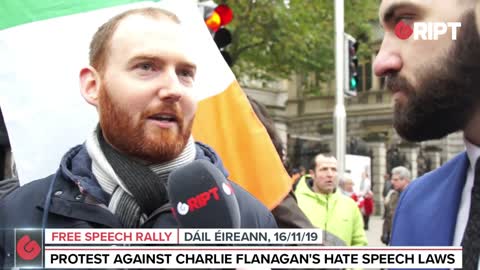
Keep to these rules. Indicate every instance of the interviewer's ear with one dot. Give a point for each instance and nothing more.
(90, 85)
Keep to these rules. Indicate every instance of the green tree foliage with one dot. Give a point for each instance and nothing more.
(272, 40)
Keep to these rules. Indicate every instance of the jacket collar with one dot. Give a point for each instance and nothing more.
(68, 201)
(448, 197)
(305, 187)
(445, 203)
(207, 153)
(432, 203)
(77, 194)
(76, 166)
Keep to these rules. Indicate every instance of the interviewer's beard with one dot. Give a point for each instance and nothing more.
(446, 96)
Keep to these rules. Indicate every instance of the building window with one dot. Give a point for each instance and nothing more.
(368, 75)
(364, 76)
(360, 74)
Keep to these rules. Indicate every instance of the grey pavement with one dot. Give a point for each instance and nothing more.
(374, 231)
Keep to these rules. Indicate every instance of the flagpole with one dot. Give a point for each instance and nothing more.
(339, 114)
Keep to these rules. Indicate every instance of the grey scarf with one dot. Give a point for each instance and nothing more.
(136, 190)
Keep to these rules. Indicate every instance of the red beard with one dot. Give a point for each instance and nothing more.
(135, 138)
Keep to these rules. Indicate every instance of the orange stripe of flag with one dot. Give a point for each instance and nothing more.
(228, 123)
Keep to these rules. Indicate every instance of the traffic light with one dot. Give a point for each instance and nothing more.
(353, 60)
(216, 18)
(351, 66)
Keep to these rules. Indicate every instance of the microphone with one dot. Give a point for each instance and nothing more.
(201, 197)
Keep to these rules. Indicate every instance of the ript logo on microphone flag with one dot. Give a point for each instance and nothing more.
(182, 208)
(227, 189)
(28, 248)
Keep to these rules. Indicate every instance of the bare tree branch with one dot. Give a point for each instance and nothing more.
(249, 46)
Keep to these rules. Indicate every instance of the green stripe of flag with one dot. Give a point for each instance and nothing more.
(17, 12)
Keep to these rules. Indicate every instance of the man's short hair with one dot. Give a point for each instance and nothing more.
(101, 40)
(313, 162)
(403, 172)
(294, 171)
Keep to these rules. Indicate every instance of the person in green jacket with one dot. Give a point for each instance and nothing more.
(326, 207)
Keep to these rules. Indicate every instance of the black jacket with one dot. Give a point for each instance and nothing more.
(69, 208)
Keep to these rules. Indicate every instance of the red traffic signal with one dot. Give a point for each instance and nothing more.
(225, 12)
(221, 15)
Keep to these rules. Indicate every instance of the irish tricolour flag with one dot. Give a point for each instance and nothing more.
(43, 45)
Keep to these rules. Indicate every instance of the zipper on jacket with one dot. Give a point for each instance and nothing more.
(326, 218)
